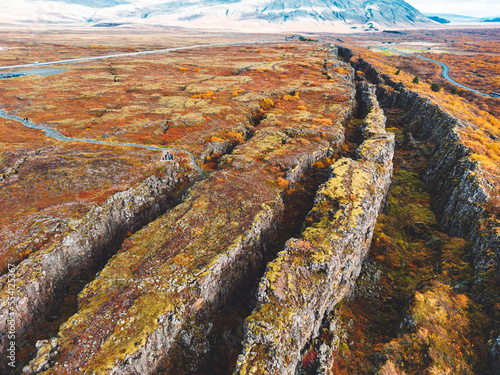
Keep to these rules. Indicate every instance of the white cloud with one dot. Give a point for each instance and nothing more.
(473, 8)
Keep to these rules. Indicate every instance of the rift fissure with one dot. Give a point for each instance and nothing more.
(212, 345)
(214, 151)
(327, 221)
(315, 271)
(409, 259)
(429, 147)
(65, 294)
(63, 297)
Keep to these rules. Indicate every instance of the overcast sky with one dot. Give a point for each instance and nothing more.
(475, 8)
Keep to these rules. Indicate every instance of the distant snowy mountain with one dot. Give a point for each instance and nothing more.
(369, 14)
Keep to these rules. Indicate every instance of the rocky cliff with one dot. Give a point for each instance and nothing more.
(461, 195)
(40, 278)
(459, 189)
(314, 272)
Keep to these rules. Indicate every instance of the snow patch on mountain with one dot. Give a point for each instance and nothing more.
(281, 14)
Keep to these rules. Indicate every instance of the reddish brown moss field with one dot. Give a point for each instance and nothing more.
(158, 100)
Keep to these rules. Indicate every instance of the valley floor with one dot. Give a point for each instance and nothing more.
(412, 311)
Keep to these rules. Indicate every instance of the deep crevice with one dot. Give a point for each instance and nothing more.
(409, 255)
(413, 162)
(64, 303)
(212, 345)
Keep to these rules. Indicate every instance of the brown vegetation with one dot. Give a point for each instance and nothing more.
(479, 114)
(442, 329)
(151, 101)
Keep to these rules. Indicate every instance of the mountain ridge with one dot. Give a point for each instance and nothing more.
(223, 13)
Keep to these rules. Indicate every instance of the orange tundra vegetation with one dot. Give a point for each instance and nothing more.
(482, 131)
(53, 185)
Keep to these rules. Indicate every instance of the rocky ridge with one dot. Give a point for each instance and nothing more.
(41, 277)
(460, 192)
(313, 273)
(189, 261)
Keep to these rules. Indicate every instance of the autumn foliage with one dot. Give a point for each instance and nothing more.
(479, 114)
(408, 318)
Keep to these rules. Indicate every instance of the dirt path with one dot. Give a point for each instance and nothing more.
(444, 73)
(52, 133)
(83, 59)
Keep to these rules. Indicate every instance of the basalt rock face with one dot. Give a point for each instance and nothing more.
(188, 262)
(40, 278)
(456, 182)
(313, 273)
(460, 192)
(15, 165)
(216, 149)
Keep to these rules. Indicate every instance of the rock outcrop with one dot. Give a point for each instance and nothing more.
(42, 276)
(460, 192)
(188, 262)
(313, 273)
